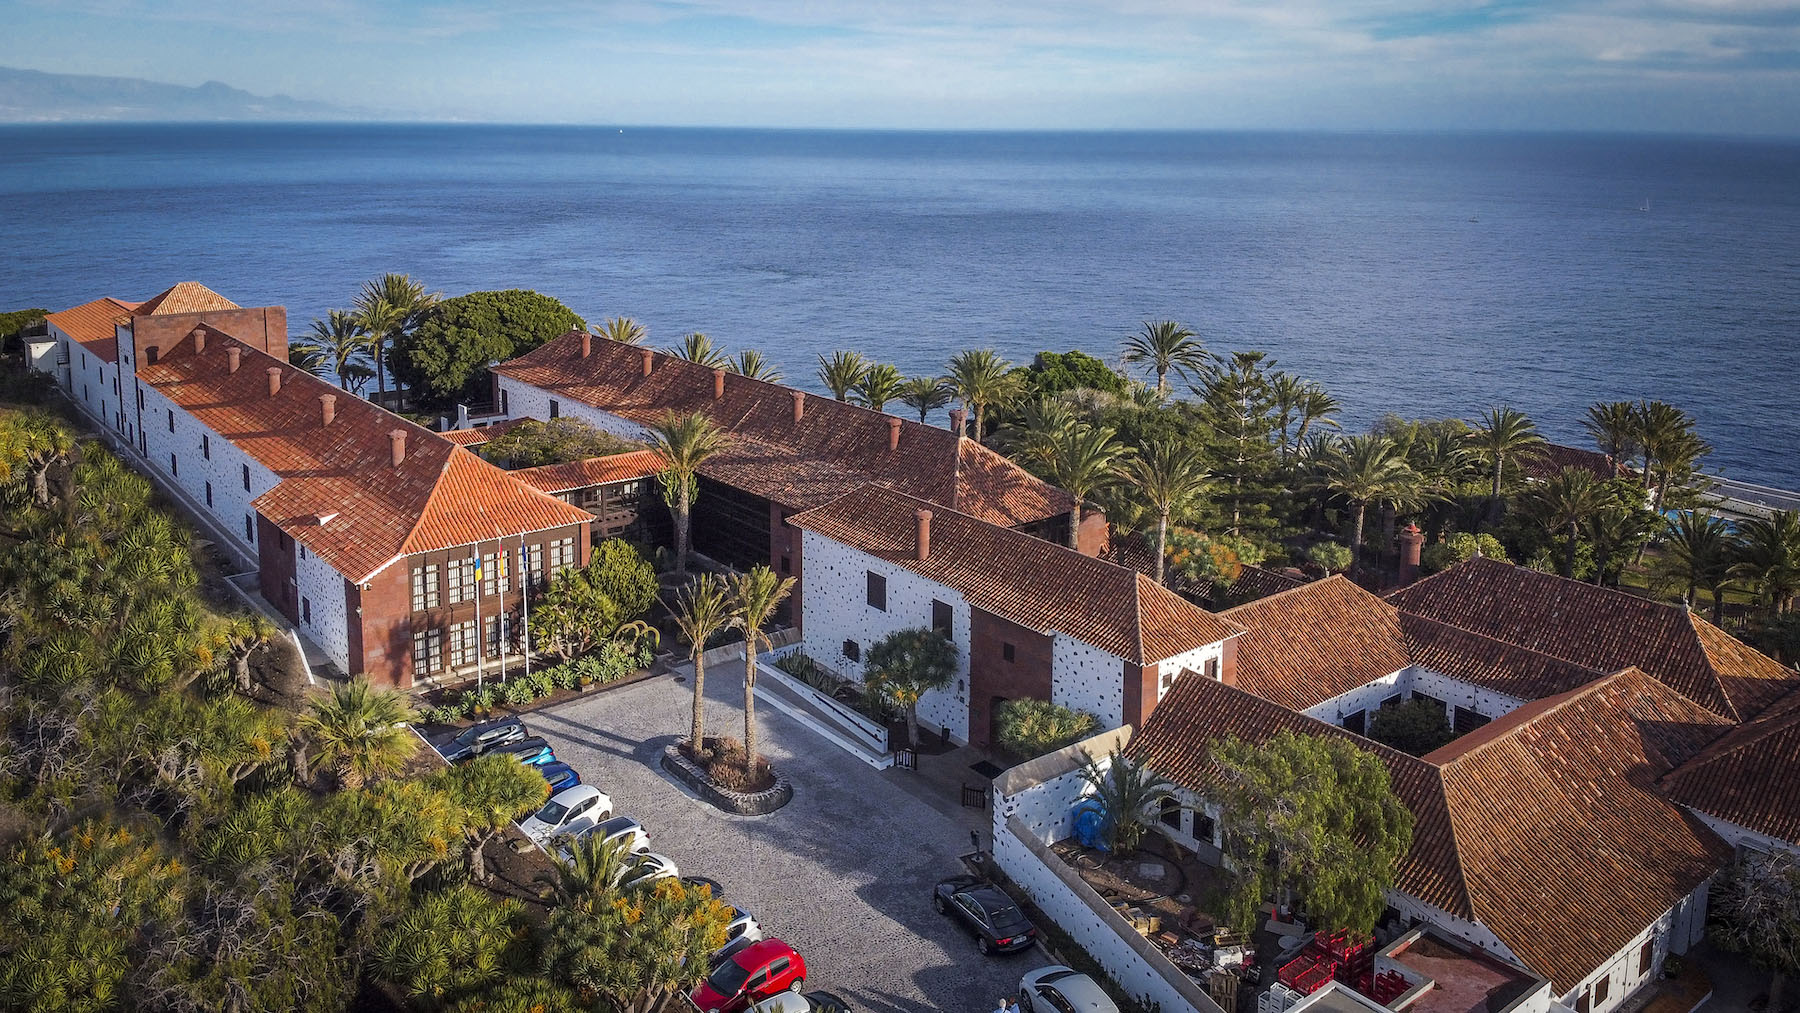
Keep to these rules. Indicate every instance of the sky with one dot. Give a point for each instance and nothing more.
(1713, 66)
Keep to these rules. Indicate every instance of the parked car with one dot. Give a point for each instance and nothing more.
(534, 751)
(755, 973)
(582, 803)
(811, 1002)
(743, 931)
(1059, 989)
(559, 775)
(998, 924)
(646, 869)
(617, 828)
(718, 891)
(477, 739)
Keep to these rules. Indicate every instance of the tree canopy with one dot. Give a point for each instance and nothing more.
(534, 443)
(444, 359)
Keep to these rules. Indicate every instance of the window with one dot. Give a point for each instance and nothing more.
(1171, 813)
(428, 652)
(1164, 682)
(171, 420)
(1356, 722)
(459, 580)
(1203, 827)
(424, 587)
(306, 610)
(1008, 652)
(140, 397)
(562, 554)
(787, 565)
(1468, 720)
(505, 404)
(1601, 988)
(174, 465)
(209, 494)
(1389, 701)
(1212, 669)
(250, 529)
(1585, 1003)
(302, 552)
(534, 566)
(492, 633)
(1647, 956)
(246, 468)
(496, 573)
(852, 650)
(84, 393)
(462, 644)
(1435, 700)
(941, 617)
(206, 446)
(877, 591)
(555, 409)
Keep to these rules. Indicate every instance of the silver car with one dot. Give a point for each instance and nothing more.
(743, 930)
(1059, 989)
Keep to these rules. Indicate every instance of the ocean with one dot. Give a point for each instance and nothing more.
(1428, 275)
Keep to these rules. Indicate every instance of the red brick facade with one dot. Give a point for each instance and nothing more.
(993, 678)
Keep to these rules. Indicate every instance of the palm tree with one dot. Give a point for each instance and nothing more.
(1617, 530)
(1364, 469)
(1081, 461)
(624, 330)
(1168, 477)
(1672, 449)
(341, 338)
(1614, 428)
(1032, 435)
(1563, 502)
(905, 665)
(1699, 549)
(982, 380)
(1287, 391)
(1316, 408)
(685, 443)
(492, 792)
(1770, 558)
(590, 873)
(1126, 789)
(751, 363)
(361, 731)
(754, 597)
(699, 348)
(1505, 436)
(406, 303)
(39, 442)
(842, 372)
(926, 394)
(881, 384)
(245, 634)
(308, 356)
(1167, 347)
(702, 610)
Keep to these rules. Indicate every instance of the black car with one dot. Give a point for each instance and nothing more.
(533, 750)
(826, 1002)
(998, 924)
(477, 739)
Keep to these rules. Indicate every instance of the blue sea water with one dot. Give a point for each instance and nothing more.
(1427, 275)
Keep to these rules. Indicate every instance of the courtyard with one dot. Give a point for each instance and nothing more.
(844, 872)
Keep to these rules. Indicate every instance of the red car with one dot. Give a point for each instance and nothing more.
(752, 974)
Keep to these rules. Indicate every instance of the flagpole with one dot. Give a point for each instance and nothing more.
(502, 564)
(480, 632)
(525, 605)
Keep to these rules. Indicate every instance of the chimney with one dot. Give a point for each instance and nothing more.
(924, 533)
(649, 358)
(232, 352)
(328, 407)
(799, 405)
(397, 439)
(199, 340)
(957, 419)
(274, 380)
(893, 434)
(1410, 539)
(587, 344)
(718, 384)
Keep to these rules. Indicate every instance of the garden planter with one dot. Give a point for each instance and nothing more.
(759, 803)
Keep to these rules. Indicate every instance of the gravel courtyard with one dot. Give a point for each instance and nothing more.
(844, 872)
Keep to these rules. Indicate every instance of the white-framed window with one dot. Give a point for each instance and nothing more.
(424, 587)
(490, 635)
(428, 652)
(496, 572)
(534, 566)
(1164, 683)
(462, 643)
(562, 554)
(459, 582)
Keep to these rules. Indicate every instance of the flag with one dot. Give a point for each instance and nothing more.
(476, 559)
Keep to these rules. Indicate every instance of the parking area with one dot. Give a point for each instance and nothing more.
(843, 873)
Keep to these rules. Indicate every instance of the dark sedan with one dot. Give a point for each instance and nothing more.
(998, 924)
(477, 739)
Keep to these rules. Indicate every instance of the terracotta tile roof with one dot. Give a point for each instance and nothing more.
(1602, 629)
(1313, 642)
(1032, 582)
(184, 297)
(472, 438)
(94, 325)
(340, 494)
(555, 478)
(1554, 457)
(1747, 776)
(834, 448)
(1544, 826)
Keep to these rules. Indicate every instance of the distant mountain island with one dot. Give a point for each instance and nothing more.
(34, 96)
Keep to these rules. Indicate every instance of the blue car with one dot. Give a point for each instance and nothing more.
(560, 775)
(534, 751)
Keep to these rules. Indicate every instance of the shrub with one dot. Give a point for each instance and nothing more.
(1029, 728)
(564, 676)
(517, 692)
(1330, 557)
(481, 701)
(813, 674)
(730, 769)
(1417, 726)
(1216, 558)
(540, 682)
(1457, 547)
(442, 715)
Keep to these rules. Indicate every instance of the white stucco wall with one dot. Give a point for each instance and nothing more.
(834, 608)
(1195, 660)
(1457, 693)
(323, 587)
(1674, 932)
(523, 401)
(224, 469)
(1363, 698)
(1085, 678)
(1743, 837)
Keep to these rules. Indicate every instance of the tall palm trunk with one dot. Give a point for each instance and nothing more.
(1569, 552)
(1718, 593)
(1357, 538)
(1162, 543)
(682, 505)
(749, 708)
(380, 364)
(1075, 525)
(978, 418)
(697, 731)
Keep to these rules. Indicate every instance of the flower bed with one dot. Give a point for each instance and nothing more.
(754, 803)
(609, 664)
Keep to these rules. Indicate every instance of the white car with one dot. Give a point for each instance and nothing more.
(1059, 989)
(646, 869)
(582, 804)
(618, 828)
(743, 930)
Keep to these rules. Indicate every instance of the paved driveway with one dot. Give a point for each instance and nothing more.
(843, 872)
